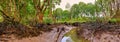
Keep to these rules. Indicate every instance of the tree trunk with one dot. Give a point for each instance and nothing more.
(40, 16)
(117, 16)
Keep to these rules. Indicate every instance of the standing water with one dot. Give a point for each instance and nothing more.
(71, 36)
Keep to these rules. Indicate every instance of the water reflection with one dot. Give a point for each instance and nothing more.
(71, 36)
(66, 39)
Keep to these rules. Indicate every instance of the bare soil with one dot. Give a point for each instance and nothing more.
(93, 31)
(99, 32)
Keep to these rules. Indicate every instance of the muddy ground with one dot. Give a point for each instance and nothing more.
(100, 32)
(94, 32)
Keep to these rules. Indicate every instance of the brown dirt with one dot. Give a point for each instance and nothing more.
(98, 32)
(95, 32)
(23, 34)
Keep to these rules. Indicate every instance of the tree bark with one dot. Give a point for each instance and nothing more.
(40, 16)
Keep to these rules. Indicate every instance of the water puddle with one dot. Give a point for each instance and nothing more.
(71, 36)
(66, 39)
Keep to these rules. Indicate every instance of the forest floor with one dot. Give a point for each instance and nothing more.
(92, 31)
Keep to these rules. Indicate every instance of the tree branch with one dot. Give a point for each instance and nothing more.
(4, 14)
(45, 7)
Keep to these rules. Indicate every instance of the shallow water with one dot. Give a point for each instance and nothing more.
(72, 37)
(66, 39)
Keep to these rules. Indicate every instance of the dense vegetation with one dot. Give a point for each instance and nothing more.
(101, 10)
(41, 11)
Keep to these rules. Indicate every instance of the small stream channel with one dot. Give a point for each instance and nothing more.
(71, 36)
